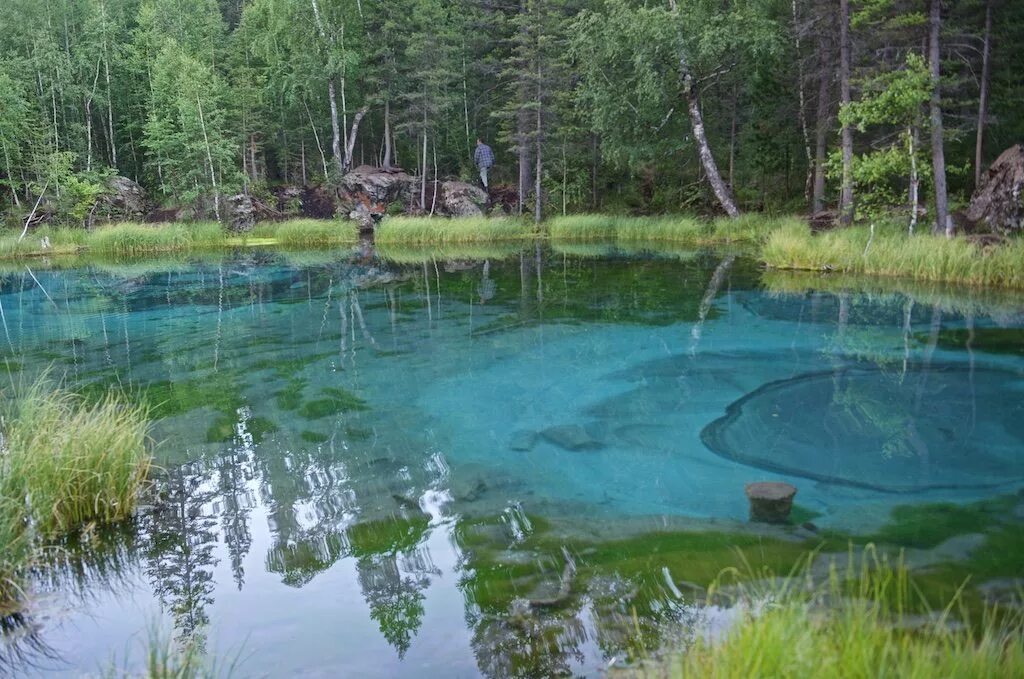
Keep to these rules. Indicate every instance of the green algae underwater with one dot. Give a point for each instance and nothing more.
(358, 469)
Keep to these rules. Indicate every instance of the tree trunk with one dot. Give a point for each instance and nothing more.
(110, 115)
(339, 160)
(722, 192)
(821, 131)
(537, 203)
(914, 179)
(846, 207)
(209, 160)
(983, 97)
(942, 221)
(803, 105)
(350, 145)
(387, 134)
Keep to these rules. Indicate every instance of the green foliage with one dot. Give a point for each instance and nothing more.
(891, 99)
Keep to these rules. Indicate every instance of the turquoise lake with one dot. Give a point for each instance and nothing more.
(366, 458)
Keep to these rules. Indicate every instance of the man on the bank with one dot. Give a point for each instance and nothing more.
(484, 159)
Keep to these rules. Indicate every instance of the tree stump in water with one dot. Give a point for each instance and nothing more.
(770, 501)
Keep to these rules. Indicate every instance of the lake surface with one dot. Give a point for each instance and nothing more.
(366, 460)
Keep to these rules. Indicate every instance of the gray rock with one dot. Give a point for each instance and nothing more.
(572, 437)
(523, 440)
(122, 200)
(241, 213)
(460, 199)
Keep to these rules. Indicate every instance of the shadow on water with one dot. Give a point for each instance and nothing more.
(376, 457)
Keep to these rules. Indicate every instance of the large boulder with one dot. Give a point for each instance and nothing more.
(459, 199)
(241, 213)
(123, 200)
(998, 202)
(366, 192)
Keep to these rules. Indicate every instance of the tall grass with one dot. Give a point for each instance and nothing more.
(166, 658)
(134, 239)
(677, 229)
(67, 462)
(444, 231)
(308, 232)
(892, 252)
(863, 621)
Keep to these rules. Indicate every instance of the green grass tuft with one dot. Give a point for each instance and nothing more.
(70, 462)
(301, 233)
(443, 231)
(751, 228)
(893, 252)
(855, 623)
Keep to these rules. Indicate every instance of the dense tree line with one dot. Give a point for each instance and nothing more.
(869, 106)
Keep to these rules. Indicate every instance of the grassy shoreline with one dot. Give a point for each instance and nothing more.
(132, 239)
(780, 243)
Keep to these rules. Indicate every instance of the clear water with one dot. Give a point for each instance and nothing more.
(331, 424)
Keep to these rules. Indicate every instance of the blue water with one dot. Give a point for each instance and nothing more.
(303, 396)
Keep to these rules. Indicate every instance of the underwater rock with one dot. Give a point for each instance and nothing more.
(865, 427)
(572, 437)
(770, 501)
(1004, 592)
(954, 550)
(523, 440)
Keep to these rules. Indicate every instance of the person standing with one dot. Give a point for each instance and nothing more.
(484, 159)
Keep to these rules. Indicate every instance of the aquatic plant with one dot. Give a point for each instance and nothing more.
(169, 658)
(888, 250)
(69, 462)
(442, 231)
(855, 622)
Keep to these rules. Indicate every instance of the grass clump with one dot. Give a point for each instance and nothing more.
(751, 228)
(855, 623)
(890, 251)
(299, 233)
(69, 462)
(134, 239)
(442, 231)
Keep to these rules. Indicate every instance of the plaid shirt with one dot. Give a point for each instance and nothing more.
(484, 156)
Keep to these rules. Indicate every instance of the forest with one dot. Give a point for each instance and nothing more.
(869, 109)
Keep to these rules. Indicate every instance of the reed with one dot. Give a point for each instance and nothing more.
(864, 620)
(678, 229)
(444, 231)
(133, 239)
(299, 233)
(889, 251)
(69, 463)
